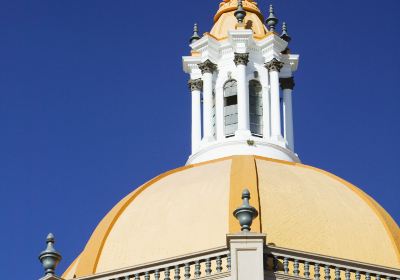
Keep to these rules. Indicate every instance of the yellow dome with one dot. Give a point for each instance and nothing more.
(189, 210)
(225, 19)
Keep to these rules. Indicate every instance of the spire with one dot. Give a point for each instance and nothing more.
(195, 37)
(240, 13)
(285, 36)
(272, 20)
(50, 257)
(245, 213)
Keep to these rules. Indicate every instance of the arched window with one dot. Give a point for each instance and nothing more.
(230, 108)
(256, 108)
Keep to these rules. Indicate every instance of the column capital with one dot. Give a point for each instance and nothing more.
(195, 84)
(274, 65)
(207, 67)
(241, 58)
(287, 83)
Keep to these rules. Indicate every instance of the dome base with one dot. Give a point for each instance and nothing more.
(250, 146)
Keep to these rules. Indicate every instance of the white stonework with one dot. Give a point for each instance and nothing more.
(215, 142)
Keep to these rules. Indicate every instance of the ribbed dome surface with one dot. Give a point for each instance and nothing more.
(189, 209)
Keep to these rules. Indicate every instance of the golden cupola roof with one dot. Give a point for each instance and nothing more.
(189, 210)
(225, 20)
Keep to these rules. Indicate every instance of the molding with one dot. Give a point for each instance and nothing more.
(207, 67)
(287, 83)
(274, 65)
(241, 58)
(195, 84)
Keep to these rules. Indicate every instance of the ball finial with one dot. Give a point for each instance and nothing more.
(195, 37)
(272, 20)
(240, 13)
(50, 257)
(245, 213)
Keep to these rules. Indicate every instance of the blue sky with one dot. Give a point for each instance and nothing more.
(93, 102)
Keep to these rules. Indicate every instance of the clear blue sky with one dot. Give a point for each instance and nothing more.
(93, 102)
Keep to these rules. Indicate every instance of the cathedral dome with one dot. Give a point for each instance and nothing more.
(225, 19)
(189, 209)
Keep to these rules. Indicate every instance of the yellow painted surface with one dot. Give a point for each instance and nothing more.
(189, 209)
(308, 210)
(183, 213)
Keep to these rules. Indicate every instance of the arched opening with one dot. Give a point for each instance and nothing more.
(230, 108)
(256, 108)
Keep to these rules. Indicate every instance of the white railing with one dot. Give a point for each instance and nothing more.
(293, 263)
(209, 264)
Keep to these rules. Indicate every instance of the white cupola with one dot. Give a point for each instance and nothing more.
(241, 82)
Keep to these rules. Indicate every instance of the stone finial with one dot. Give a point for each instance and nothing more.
(50, 257)
(272, 20)
(285, 36)
(195, 37)
(240, 13)
(245, 213)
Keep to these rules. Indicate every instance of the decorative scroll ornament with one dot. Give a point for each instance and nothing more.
(50, 257)
(287, 83)
(245, 213)
(274, 65)
(196, 84)
(241, 58)
(207, 67)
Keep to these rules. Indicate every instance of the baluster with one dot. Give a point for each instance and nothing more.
(156, 274)
(367, 276)
(219, 264)
(275, 263)
(307, 269)
(316, 271)
(358, 275)
(228, 262)
(197, 272)
(208, 266)
(166, 274)
(147, 276)
(347, 274)
(337, 273)
(327, 272)
(137, 277)
(286, 265)
(377, 277)
(296, 270)
(187, 271)
(177, 274)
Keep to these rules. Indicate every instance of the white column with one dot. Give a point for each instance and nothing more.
(287, 85)
(195, 87)
(241, 60)
(207, 68)
(274, 66)
(219, 111)
(266, 102)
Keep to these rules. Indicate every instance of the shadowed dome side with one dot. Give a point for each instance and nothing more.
(225, 19)
(300, 208)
